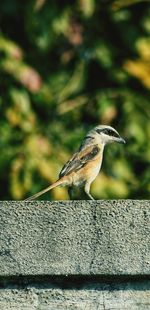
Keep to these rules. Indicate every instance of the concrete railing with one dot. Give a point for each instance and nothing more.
(75, 255)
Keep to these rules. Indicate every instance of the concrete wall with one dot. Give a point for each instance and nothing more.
(75, 255)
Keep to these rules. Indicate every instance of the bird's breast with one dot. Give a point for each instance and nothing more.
(88, 172)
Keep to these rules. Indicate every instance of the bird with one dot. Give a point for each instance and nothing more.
(84, 166)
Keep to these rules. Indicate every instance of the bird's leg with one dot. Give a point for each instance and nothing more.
(87, 191)
(70, 192)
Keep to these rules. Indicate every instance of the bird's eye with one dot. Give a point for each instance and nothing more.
(110, 132)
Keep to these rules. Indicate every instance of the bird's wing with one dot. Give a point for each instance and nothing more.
(80, 159)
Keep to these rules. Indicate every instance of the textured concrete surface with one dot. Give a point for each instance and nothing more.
(129, 296)
(75, 238)
(77, 255)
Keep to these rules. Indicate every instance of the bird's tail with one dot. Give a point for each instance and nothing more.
(57, 183)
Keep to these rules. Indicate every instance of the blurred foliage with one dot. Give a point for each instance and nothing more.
(67, 66)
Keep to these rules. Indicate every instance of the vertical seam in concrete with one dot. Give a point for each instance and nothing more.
(95, 233)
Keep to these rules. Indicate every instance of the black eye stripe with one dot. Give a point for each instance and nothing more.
(108, 132)
(98, 130)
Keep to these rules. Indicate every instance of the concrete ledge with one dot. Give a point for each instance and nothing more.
(89, 296)
(75, 238)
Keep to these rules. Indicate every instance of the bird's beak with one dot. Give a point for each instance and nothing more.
(121, 140)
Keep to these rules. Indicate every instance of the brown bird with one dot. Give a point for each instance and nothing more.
(85, 164)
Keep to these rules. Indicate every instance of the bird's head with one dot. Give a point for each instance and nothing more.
(106, 134)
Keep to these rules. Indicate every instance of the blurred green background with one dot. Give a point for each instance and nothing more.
(66, 66)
